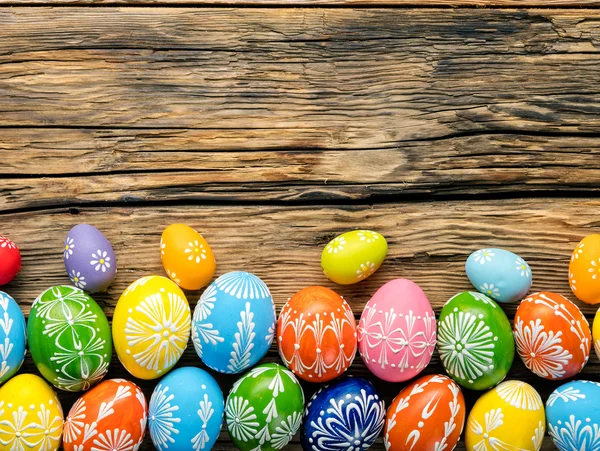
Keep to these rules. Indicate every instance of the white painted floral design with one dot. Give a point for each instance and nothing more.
(49, 429)
(163, 420)
(77, 279)
(566, 395)
(572, 282)
(578, 251)
(366, 269)
(244, 342)
(115, 440)
(100, 260)
(368, 236)
(163, 246)
(480, 297)
(6, 243)
(74, 423)
(195, 251)
(163, 330)
(522, 267)
(466, 345)
(492, 421)
(286, 429)
(173, 276)
(243, 285)
(520, 395)
(336, 245)
(205, 412)
(490, 290)
(541, 350)
(594, 268)
(483, 255)
(575, 435)
(241, 419)
(69, 246)
(206, 303)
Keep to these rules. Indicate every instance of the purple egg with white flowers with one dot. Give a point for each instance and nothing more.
(89, 258)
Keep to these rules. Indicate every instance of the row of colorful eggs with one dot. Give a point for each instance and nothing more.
(266, 408)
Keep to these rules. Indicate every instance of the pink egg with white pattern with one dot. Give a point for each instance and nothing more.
(397, 331)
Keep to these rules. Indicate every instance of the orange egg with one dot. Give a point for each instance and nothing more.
(584, 270)
(186, 256)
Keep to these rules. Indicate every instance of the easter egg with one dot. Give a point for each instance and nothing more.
(552, 336)
(573, 416)
(396, 332)
(475, 341)
(596, 333)
(316, 334)
(111, 416)
(10, 260)
(584, 270)
(508, 417)
(264, 408)
(13, 337)
(346, 415)
(499, 274)
(186, 256)
(234, 322)
(151, 326)
(31, 417)
(69, 338)
(186, 411)
(89, 258)
(428, 414)
(353, 256)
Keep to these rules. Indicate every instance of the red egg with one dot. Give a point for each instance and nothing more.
(428, 414)
(111, 416)
(316, 334)
(10, 260)
(552, 336)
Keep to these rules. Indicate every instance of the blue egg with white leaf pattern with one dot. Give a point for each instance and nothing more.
(346, 415)
(573, 416)
(499, 274)
(186, 411)
(234, 322)
(13, 337)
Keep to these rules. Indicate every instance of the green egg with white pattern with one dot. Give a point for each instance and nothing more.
(264, 408)
(353, 256)
(475, 341)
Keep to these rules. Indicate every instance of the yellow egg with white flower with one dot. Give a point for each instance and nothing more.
(509, 416)
(31, 417)
(151, 326)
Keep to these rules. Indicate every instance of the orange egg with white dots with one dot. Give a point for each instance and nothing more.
(584, 270)
(186, 256)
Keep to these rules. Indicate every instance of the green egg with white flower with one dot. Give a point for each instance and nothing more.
(353, 256)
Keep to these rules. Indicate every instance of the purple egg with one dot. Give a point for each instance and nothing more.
(89, 258)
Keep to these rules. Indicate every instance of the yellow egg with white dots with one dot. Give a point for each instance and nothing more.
(31, 417)
(151, 326)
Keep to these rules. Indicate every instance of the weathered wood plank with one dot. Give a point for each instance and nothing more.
(429, 243)
(46, 168)
(362, 77)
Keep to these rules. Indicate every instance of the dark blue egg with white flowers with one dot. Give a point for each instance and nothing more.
(346, 415)
(573, 416)
(13, 337)
(186, 411)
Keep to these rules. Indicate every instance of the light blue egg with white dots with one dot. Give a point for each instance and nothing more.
(13, 337)
(499, 274)
(573, 416)
(186, 411)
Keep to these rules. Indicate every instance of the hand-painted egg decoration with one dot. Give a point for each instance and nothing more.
(186, 411)
(508, 417)
(346, 415)
(186, 256)
(111, 416)
(353, 256)
(553, 337)
(316, 334)
(89, 258)
(596, 333)
(475, 341)
(499, 274)
(573, 416)
(13, 337)
(234, 322)
(396, 332)
(10, 260)
(31, 418)
(264, 408)
(428, 414)
(584, 270)
(69, 338)
(151, 326)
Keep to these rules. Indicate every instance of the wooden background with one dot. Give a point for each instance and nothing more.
(273, 125)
